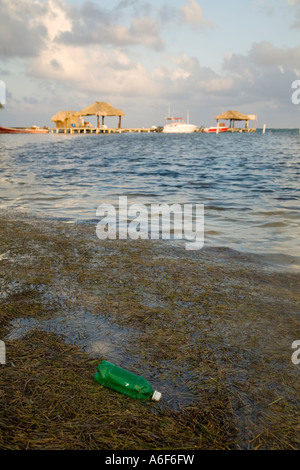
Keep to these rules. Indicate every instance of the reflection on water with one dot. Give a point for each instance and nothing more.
(248, 183)
(92, 333)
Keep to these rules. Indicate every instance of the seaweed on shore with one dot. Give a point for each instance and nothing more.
(217, 327)
(50, 401)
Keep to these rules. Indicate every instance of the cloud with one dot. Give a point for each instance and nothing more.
(295, 5)
(93, 69)
(147, 30)
(91, 25)
(188, 81)
(265, 6)
(264, 76)
(192, 14)
(77, 54)
(167, 14)
(294, 2)
(266, 54)
(110, 70)
(65, 57)
(28, 26)
(21, 33)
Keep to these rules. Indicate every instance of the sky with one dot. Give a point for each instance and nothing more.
(148, 58)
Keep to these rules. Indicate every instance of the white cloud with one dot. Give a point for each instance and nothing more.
(55, 19)
(93, 70)
(105, 66)
(192, 13)
(27, 26)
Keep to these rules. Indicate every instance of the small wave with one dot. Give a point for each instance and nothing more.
(272, 224)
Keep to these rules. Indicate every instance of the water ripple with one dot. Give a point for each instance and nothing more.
(248, 183)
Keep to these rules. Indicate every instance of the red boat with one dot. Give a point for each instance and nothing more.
(23, 130)
(215, 130)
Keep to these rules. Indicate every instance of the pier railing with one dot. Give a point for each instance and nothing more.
(99, 130)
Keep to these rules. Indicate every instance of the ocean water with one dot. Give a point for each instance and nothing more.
(249, 183)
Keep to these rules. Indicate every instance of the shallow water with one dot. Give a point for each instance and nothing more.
(100, 339)
(249, 184)
(92, 333)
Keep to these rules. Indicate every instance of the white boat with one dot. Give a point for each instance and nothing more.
(177, 125)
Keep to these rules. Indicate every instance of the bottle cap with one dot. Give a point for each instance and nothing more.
(156, 396)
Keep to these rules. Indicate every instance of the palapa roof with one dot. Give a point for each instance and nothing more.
(100, 109)
(61, 116)
(235, 115)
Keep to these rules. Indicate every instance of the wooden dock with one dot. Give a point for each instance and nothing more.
(131, 130)
(241, 130)
(100, 130)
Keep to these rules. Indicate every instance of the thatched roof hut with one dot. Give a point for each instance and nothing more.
(64, 119)
(233, 116)
(101, 109)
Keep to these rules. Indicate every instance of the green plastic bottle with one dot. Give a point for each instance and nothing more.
(125, 382)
